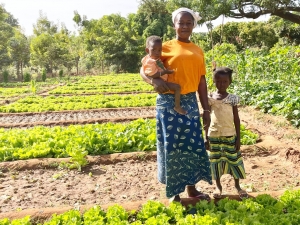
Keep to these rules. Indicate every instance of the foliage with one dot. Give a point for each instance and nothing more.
(33, 86)
(212, 9)
(113, 42)
(19, 51)
(5, 75)
(247, 137)
(53, 103)
(61, 73)
(77, 141)
(245, 34)
(263, 210)
(27, 77)
(113, 69)
(44, 74)
(7, 26)
(266, 79)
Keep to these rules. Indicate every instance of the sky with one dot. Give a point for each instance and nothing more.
(62, 11)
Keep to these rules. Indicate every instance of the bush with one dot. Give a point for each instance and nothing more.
(5, 76)
(44, 75)
(61, 73)
(27, 77)
(113, 69)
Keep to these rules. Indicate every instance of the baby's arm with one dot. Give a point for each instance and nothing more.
(158, 74)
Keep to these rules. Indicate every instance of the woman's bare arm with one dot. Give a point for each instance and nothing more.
(202, 91)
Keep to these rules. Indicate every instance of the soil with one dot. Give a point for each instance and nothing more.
(9, 120)
(37, 187)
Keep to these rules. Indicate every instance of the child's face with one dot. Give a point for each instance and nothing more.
(222, 82)
(154, 50)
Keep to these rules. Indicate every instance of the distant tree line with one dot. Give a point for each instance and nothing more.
(114, 43)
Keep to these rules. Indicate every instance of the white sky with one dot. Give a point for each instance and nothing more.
(62, 11)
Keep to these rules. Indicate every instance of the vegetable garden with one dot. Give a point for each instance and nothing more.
(89, 143)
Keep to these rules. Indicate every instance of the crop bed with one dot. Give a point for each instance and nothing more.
(8, 120)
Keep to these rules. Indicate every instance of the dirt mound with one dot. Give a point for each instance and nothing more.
(293, 155)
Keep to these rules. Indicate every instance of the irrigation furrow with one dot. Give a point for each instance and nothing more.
(9, 120)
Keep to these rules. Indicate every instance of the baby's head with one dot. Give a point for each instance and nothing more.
(222, 77)
(154, 46)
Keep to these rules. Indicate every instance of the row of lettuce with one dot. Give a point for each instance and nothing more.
(80, 86)
(52, 103)
(262, 210)
(77, 141)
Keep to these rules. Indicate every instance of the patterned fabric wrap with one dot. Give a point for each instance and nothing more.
(224, 159)
(181, 155)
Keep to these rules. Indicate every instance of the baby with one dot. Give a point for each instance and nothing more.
(154, 68)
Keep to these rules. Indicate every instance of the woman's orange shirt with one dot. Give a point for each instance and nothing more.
(187, 61)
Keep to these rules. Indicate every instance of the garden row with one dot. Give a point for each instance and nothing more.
(260, 210)
(78, 85)
(77, 141)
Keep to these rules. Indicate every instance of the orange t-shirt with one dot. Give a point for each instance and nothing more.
(187, 61)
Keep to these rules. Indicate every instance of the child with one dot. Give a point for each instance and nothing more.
(223, 134)
(154, 68)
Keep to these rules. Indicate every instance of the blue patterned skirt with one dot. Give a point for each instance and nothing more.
(181, 155)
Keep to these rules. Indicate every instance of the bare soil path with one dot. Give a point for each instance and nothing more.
(8, 120)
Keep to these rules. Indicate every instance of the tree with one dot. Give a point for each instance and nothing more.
(49, 47)
(77, 50)
(112, 41)
(7, 26)
(43, 25)
(19, 51)
(245, 34)
(212, 9)
(286, 30)
(154, 19)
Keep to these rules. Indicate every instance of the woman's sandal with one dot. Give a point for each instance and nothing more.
(242, 194)
(217, 194)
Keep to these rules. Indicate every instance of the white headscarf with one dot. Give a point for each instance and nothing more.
(194, 14)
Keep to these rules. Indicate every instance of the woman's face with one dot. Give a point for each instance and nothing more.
(184, 24)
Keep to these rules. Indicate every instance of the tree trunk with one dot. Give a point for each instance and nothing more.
(21, 70)
(18, 70)
(77, 67)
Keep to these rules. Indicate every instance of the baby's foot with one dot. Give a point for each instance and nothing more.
(180, 110)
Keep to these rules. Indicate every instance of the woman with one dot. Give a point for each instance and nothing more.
(181, 155)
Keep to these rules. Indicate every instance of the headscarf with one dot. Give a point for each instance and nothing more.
(194, 14)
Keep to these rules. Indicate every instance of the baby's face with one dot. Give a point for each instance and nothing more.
(155, 50)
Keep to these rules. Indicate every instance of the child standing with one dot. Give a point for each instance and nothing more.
(223, 134)
(154, 68)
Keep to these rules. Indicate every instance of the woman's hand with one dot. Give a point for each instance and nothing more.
(159, 84)
(206, 120)
(206, 143)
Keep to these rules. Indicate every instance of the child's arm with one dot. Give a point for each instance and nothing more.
(237, 123)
